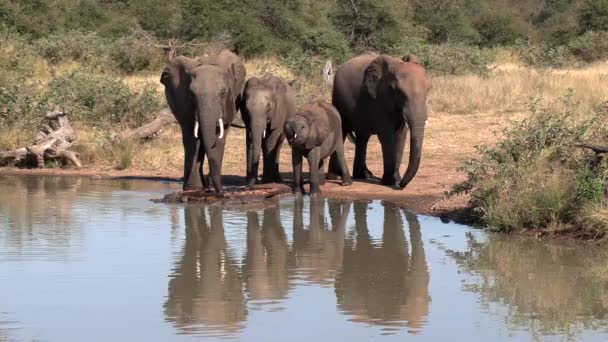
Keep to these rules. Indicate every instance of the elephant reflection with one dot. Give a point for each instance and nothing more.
(266, 261)
(382, 283)
(317, 251)
(205, 291)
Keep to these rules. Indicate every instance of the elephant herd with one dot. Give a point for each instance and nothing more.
(372, 95)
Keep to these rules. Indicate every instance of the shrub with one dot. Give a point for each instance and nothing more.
(535, 177)
(100, 99)
(453, 59)
(544, 55)
(131, 55)
(88, 48)
(590, 46)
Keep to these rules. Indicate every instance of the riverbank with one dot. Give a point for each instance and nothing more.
(448, 141)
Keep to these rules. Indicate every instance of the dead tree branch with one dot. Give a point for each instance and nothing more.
(165, 117)
(51, 143)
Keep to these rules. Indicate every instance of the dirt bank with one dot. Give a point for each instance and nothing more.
(449, 139)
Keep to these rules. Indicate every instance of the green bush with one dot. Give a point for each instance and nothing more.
(17, 58)
(544, 55)
(535, 177)
(591, 46)
(453, 59)
(593, 15)
(132, 55)
(88, 48)
(100, 99)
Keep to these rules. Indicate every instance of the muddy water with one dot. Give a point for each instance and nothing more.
(95, 260)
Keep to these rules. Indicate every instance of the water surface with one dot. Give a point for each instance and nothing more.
(96, 260)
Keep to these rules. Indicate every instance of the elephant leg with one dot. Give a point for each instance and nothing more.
(271, 148)
(335, 168)
(360, 170)
(388, 142)
(400, 136)
(321, 172)
(252, 171)
(313, 165)
(341, 158)
(296, 162)
(192, 178)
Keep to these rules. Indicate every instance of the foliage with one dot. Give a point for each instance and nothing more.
(450, 58)
(535, 177)
(98, 99)
(590, 46)
(544, 55)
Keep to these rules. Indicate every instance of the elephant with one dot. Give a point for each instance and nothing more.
(315, 132)
(266, 265)
(203, 94)
(384, 96)
(205, 291)
(265, 104)
(384, 282)
(317, 247)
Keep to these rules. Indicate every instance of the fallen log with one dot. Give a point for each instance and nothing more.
(595, 148)
(165, 117)
(51, 143)
(599, 151)
(232, 195)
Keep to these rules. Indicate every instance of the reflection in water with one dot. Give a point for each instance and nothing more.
(70, 246)
(318, 251)
(205, 290)
(29, 209)
(376, 281)
(380, 282)
(547, 288)
(266, 262)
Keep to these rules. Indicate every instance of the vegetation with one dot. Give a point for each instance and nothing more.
(100, 60)
(536, 178)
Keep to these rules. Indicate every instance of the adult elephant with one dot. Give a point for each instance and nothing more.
(382, 95)
(267, 102)
(203, 93)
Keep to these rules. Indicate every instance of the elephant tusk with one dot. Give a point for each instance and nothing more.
(295, 136)
(264, 134)
(426, 123)
(221, 123)
(196, 128)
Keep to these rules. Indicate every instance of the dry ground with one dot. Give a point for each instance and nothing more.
(464, 112)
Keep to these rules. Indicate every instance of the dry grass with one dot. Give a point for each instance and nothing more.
(510, 88)
(487, 102)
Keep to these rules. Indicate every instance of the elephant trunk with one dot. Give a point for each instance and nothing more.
(257, 135)
(209, 118)
(416, 123)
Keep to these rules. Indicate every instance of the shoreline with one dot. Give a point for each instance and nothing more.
(433, 204)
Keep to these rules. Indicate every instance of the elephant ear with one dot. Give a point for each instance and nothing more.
(374, 74)
(232, 99)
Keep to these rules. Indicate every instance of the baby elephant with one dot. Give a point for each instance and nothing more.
(316, 133)
(266, 103)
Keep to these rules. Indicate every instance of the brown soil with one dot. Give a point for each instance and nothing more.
(449, 140)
